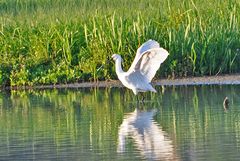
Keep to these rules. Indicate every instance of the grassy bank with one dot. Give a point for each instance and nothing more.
(50, 42)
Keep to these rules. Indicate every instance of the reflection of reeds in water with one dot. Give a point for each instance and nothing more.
(149, 138)
(83, 116)
(92, 116)
(196, 112)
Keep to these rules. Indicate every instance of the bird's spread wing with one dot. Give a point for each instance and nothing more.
(148, 59)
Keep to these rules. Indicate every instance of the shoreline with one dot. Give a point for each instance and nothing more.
(204, 80)
(233, 79)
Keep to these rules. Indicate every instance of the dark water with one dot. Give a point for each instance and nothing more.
(177, 123)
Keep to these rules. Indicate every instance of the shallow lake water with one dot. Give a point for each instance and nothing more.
(177, 123)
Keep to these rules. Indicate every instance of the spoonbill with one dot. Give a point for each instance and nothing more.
(147, 61)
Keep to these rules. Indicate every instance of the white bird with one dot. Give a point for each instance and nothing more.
(147, 61)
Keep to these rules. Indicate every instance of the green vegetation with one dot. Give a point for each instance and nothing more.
(64, 41)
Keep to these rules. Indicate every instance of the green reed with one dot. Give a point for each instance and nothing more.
(50, 42)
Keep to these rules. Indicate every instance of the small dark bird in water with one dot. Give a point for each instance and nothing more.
(226, 103)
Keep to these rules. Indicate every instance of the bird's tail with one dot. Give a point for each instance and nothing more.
(153, 90)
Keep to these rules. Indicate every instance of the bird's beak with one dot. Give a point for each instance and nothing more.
(113, 57)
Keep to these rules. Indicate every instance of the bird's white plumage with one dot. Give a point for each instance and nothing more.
(147, 61)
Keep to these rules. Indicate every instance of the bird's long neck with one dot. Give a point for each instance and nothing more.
(118, 65)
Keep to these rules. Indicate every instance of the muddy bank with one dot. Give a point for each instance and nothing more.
(206, 80)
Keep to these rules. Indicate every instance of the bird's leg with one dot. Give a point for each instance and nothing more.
(137, 99)
(143, 98)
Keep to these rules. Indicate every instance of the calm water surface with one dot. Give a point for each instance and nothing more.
(177, 123)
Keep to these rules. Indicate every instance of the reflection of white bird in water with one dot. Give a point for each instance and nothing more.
(144, 67)
(148, 137)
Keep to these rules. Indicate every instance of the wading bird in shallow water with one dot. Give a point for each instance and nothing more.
(147, 61)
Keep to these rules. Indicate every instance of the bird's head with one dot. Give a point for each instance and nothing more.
(116, 57)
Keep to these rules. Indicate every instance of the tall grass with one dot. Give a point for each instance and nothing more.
(49, 42)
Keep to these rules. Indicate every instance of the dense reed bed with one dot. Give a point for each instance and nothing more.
(63, 41)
